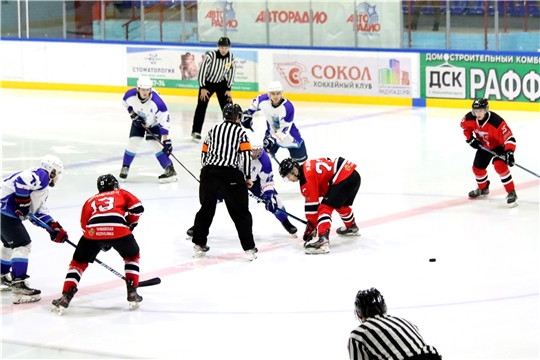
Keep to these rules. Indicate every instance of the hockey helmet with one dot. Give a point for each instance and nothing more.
(232, 112)
(144, 82)
(224, 41)
(369, 303)
(286, 167)
(107, 183)
(54, 167)
(257, 144)
(275, 86)
(480, 103)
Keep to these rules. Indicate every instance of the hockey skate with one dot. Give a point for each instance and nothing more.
(291, 229)
(169, 175)
(133, 298)
(200, 251)
(195, 137)
(124, 172)
(59, 305)
(479, 192)
(511, 198)
(252, 254)
(22, 293)
(189, 233)
(5, 282)
(348, 231)
(320, 246)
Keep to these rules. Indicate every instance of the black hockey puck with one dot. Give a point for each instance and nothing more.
(432, 260)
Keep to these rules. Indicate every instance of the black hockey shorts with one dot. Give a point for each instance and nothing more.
(13, 232)
(483, 158)
(139, 131)
(344, 193)
(87, 250)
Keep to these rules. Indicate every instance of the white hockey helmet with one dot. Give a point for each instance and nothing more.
(54, 167)
(144, 82)
(275, 86)
(256, 141)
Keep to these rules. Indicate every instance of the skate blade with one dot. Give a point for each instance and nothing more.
(58, 310)
(5, 288)
(321, 250)
(189, 237)
(133, 305)
(351, 234)
(168, 180)
(23, 299)
(199, 255)
(513, 205)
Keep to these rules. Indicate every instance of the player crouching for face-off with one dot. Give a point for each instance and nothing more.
(484, 128)
(149, 119)
(108, 219)
(337, 182)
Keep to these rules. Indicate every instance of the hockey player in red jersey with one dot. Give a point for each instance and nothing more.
(484, 128)
(337, 182)
(107, 219)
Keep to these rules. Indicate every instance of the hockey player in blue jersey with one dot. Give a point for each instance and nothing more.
(263, 184)
(146, 107)
(25, 192)
(281, 131)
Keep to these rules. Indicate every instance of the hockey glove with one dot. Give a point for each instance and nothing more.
(270, 201)
(268, 143)
(247, 120)
(22, 206)
(167, 147)
(58, 235)
(138, 121)
(509, 155)
(310, 232)
(133, 226)
(106, 248)
(474, 143)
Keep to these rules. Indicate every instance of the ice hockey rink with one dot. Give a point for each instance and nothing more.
(479, 300)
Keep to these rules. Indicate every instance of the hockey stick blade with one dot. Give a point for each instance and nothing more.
(150, 282)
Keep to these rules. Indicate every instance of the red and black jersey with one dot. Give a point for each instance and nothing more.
(494, 131)
(318, 176)
(108, 214)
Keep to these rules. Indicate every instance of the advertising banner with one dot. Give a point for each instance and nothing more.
(179, 67)
(360, 75)
(469, 76)
(291, 22)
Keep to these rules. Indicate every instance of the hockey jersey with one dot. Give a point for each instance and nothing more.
(153, 111)
(33, 183)
(108, 214)
(493, 133)
(279, 120)
(318, 176)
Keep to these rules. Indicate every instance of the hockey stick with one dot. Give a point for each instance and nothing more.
(174, 157)
(149, 282)
(503, 158)
(283, 211)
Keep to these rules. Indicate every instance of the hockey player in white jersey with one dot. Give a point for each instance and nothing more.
(146, 107)
(281, 131)
(263, 184)
(25, 192)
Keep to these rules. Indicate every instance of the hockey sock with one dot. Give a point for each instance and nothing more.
(347, 215)
(128, 158)
(280, 215)
(481, 177)
(163, 159)
(132, 269)
(506, 178)
(5, 261)
(325, 218)
(19, 260)
(74, 274)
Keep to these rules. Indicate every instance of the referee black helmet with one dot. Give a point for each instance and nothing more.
(224, 41)
(369, 303)
(232, 112)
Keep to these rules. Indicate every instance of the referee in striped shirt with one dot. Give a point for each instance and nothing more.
(224, 147)
(216, 75)
(381, 336)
